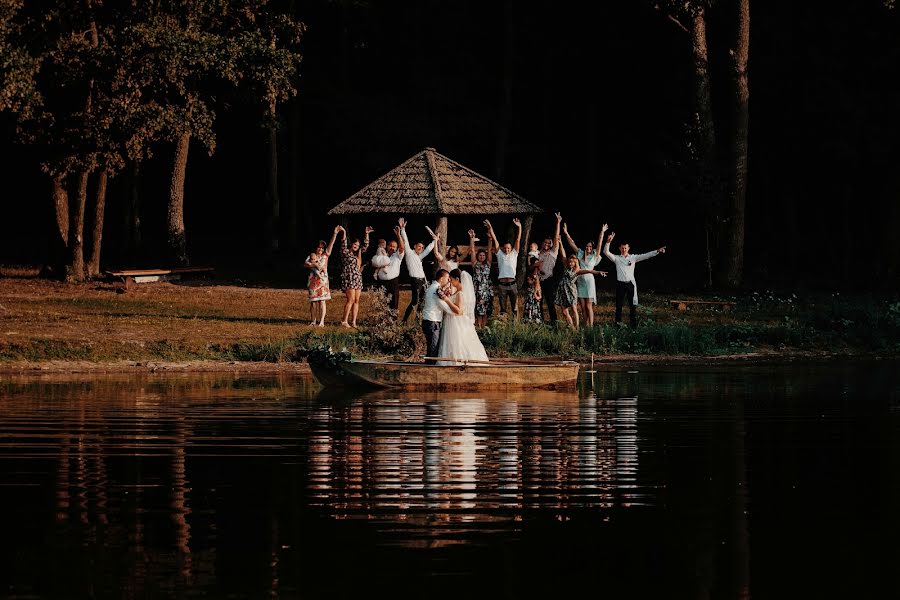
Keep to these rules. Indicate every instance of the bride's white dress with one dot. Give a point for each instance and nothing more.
(459, 340)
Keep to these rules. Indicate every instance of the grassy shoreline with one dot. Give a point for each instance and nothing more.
(44, 322)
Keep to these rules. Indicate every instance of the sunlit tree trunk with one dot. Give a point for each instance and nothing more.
(733, 271)
(58, 237)
(75, 268)
(93, 267)
(177, 244)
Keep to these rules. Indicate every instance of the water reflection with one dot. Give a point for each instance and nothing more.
(210, 484)
(457, 458)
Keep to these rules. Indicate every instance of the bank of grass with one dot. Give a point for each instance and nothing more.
(48, 321)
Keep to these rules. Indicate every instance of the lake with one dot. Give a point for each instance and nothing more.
(687, 481)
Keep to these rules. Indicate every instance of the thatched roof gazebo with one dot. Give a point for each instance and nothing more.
(429, 183)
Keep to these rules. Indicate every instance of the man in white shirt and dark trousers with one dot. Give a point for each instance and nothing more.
(507, 261)
(389, 276)
(626, 286)
(433, 314)
(547, 261)
(416, 271)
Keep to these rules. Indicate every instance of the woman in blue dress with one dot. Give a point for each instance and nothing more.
(588, 258)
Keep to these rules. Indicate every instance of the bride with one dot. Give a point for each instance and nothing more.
(459, 340)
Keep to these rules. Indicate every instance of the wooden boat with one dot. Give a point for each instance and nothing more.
(465, 375)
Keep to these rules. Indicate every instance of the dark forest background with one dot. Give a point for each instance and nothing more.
(599, 103)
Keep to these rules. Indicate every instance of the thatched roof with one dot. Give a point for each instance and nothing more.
(430, 183)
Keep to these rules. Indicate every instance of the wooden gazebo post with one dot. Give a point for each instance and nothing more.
(441, 230)
(527, 222)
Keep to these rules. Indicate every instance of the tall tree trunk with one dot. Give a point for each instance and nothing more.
(505, 122)
(273, 199)
(75, 267)
(59, 234)
(93, 267)
(290, 208)
(177, 244)
(704, 127)
(733, 272)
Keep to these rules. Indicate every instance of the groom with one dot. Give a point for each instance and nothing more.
(433, 314)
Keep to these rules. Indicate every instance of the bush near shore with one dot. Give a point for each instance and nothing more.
(44, 321)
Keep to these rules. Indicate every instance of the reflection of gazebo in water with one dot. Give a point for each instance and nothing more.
(429, 183)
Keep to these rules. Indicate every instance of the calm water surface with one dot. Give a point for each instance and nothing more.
(688, 482)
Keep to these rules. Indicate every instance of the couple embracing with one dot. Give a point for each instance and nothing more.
(448, 320)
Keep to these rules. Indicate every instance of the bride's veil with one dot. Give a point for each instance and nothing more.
(468, 293)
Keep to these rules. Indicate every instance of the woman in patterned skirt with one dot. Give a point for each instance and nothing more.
(481, 279)
(532, 309)
(587, 287)
(566, 292)
(351, 274)
(317, 285)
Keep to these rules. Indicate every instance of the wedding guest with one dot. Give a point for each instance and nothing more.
(317, 284)
(481, 280)
(531, 311)
(626, 285)
(351, 275)
(448, 260)
(547, 261)
(587, 259)
(389, 275)
(416, 272)
(566, 292)
(507, 262)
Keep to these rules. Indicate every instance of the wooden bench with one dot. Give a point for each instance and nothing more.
(683, 304)
(130, 277)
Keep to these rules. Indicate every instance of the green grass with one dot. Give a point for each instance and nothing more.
(839, 325)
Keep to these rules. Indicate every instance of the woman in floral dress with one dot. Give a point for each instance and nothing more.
(587, 287)
(317, 284)
(532, 309)
(481, 279)
(351, 274)
(566, 292)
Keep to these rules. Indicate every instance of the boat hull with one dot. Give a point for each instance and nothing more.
(423, 376)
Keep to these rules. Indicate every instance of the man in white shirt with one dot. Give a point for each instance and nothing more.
(416, 271)
(547, 261)
(507, 261)
(433, 314)
(389, 276)
(626, 286)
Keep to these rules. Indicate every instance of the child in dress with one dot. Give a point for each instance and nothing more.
(534, 256)
(380, 260)
(532, 309)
